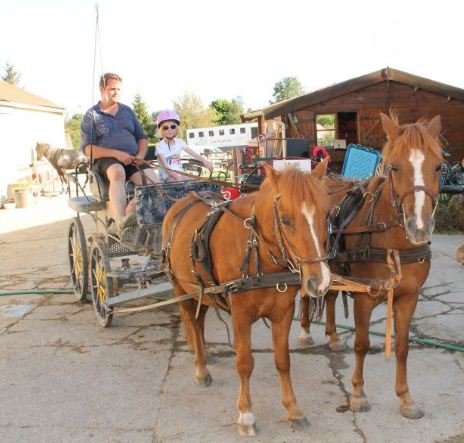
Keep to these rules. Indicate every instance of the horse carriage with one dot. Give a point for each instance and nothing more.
(252, 256)
(91, 260)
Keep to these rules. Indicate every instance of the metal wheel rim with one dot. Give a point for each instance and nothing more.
(78, 264)
(101, 285)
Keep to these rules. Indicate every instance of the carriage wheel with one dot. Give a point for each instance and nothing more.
(78, 263)
(102, 286)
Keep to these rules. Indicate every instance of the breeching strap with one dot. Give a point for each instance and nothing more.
(393, 261)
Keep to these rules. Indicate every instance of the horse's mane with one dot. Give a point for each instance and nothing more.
(297, 186)
(411, 136)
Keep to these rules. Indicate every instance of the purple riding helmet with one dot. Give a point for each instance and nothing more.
(167, 115)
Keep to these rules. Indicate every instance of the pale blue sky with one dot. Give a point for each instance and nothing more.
(218, 49)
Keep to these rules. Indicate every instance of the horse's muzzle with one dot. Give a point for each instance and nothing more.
(316, 282)
(419, 235)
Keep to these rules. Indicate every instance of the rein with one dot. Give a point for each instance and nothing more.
(209, 180)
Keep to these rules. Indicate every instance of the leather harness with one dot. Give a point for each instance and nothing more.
(201, 256)
(346, 210)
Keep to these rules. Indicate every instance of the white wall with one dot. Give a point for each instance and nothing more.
(20, 130)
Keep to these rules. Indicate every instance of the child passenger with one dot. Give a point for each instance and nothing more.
(169, 148)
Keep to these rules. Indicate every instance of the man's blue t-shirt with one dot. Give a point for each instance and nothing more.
(121, 132)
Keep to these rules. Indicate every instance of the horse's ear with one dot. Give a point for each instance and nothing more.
(435, 127)
(321, 169)
(389, 126)
(271, 173)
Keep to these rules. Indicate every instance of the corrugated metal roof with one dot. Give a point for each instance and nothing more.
(12, 94)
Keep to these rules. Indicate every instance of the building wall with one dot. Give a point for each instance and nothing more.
(20, 130)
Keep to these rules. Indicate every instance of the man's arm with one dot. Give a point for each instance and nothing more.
(101, 152)
(143, 147)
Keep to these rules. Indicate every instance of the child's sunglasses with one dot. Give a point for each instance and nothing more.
(167, 127)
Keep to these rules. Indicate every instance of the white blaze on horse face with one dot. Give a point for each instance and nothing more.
(309, 215)
(417, 159)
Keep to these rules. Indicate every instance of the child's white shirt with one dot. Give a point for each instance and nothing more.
(171, 153)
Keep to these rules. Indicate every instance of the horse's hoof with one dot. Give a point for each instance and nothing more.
(246, 431)
(411, 411)
(205, 381)
(359, 404)
(300, 423)
(337, 346)
(305, 340)
(246, 424)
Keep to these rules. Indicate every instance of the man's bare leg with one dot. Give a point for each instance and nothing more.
(117, 192)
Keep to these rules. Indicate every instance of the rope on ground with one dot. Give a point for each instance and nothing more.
(37, 292)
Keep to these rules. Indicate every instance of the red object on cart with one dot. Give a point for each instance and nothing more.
(230, 193)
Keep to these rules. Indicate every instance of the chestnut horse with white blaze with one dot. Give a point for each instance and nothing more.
(256, 238)
(395, 213)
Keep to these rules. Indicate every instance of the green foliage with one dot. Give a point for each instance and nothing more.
(193, 114)
(73, 128)
(286, 88)
(228, 112)
(141, 111)
(11, 76)
(326, 120)
(326, 138)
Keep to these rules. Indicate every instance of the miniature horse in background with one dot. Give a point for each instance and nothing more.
(60, 159)
(396, 213)
(256, 238)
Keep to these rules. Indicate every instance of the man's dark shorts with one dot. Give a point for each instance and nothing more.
(102, 164)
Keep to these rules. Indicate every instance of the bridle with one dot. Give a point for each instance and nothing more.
(398, 202)
(286, 248)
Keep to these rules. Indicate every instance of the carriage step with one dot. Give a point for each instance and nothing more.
(86, 204)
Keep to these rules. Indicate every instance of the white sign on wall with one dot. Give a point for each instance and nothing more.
(303, 164)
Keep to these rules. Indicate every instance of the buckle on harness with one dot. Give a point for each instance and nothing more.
(231, 287)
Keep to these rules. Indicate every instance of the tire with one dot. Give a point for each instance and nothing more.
(78, 260)
(102, 287)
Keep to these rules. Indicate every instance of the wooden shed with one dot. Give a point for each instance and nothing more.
(356, 104)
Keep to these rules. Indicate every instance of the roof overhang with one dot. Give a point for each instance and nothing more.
(29, 107)
(353, 85)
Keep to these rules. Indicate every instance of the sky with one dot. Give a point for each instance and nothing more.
(222, 49)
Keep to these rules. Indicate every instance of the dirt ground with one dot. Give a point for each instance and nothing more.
(66, 379)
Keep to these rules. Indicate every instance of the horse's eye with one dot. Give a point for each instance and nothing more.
(286, 221)
(438, 168)
(394, 168)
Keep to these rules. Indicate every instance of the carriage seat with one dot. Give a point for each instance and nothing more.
(99, 186)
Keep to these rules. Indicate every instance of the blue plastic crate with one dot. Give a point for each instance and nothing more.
(360, 162)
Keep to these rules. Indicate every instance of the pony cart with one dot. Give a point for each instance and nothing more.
(92, 260)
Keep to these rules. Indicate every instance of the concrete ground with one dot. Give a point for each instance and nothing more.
(63, 378)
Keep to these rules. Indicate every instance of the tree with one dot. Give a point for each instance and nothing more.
(141, 111)
(73, 128)
(228, 112)
(193, 114)
(286, 88)
(11, 75)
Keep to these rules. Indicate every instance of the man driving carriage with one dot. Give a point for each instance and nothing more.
(114, 138)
